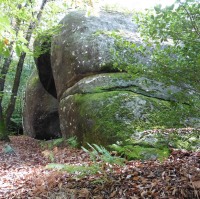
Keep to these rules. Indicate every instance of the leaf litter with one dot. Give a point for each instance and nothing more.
(23, 175)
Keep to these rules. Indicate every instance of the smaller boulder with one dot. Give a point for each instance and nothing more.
(8, 149)
(40, 115)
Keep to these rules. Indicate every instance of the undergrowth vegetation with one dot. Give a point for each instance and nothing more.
(101, 159)
(99, 153)
(60, 142)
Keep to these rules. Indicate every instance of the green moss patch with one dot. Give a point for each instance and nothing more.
(113, 116)
(80, 170)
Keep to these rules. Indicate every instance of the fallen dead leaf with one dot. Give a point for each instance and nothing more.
(196, 184)
(84, 193)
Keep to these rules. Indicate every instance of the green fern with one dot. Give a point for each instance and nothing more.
(50, 144)
(72, 141)
(100, 153)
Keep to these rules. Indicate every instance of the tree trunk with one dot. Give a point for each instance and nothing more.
(4, 71)
(7, 61)
(3, 130)
(16, 83)
(3, 74)
(11, 106)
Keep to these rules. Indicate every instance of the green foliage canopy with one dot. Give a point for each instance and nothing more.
(178, 27)
(170, 41)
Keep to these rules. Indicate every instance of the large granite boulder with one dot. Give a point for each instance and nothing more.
(40, 114)
(98, 103)
(83, 46)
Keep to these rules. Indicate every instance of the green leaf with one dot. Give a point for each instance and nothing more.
(4, 21)
(157, 8)
(18, 50)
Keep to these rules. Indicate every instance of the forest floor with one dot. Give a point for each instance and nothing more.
(23, 174)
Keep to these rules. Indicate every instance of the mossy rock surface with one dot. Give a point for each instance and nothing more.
(156, 144)
(113, 107)
(136, 83)
(107, 117)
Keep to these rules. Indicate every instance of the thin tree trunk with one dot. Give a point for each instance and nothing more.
(4, 71)
(3, 129)
(16, 83)
(3, 74)
(19, 69)
(7, 61)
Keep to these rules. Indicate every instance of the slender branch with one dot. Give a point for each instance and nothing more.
(192, 21)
